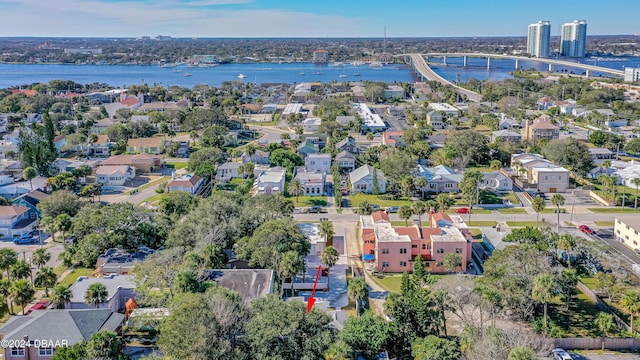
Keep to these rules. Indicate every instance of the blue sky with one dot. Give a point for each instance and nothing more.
(309, 18)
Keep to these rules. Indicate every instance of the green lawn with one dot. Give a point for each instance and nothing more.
(75, 274)
(512, 211)
(392, 282)
(552, 210)
(377, 199)
(154, 182)
(480, 168)
(177, 165)
(154, 200)
(308, 201)
(511, 197)
(606, 210)
(521, 223)
(578, 320)
(477, 233)
(604, 223)
(487, 223)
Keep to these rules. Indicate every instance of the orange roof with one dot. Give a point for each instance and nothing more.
(440, 216)
(145, 142)
(26, 92)
(58, 138)
(192, 181)
(10, 212)
(368, 234)
(102, 140)
(380, 216)
(130, 101)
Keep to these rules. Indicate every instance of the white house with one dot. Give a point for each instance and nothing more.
(311, 125)
(119, 290)
(540, 172)
(259, 157)
(362, 180)
(318, 163)
(440, 178)
(270, 181)
(312, 182)
(228, 171)
(189, 183)
(496, 181)
(627, 175)
(115, 175)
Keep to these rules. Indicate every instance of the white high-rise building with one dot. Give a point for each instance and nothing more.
(573, 42)
(631, 74)
(539, 39)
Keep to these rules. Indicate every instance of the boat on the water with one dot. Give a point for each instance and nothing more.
(242, 76)
(186, 74)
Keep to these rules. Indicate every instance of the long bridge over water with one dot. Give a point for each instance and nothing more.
(420, 64)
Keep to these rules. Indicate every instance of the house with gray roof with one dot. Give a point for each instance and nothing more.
(496, 181)
(227, 171)
(119, 290)
(440, 178)
(250, 283)
(362, 180)
(347, 144)
(47, 330)
(346, 160)
(507, 136)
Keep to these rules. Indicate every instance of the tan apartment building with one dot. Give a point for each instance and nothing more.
(628, 233)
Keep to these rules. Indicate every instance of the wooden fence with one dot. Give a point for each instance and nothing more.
(596, 343)
(602, 305)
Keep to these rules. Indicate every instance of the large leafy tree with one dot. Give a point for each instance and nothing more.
(177, 203)
(435, 348)
(265, 248)
(284, 330)
(367, 335)
(204, 326)
(570, 153)
(60, 202)
(35, 153)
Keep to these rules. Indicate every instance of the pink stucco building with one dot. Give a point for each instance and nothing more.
(394, 249)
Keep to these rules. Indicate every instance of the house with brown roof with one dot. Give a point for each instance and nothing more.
(144, 163)
(100, 148)
(189, 183)
(15, 221)
(148, 145)
(540, 128)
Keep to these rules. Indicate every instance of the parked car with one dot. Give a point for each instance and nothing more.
(393, 209)
(375, 207)
(585, 229)
(561, 354)
(462, 211)
(315, 209)
(24, 239)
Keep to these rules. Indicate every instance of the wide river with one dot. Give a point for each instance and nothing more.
(119, 75)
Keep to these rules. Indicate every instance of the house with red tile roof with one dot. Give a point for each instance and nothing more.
(26, 92)
(394, 249)
(393, 138)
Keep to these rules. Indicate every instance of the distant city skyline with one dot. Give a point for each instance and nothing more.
(312, 18)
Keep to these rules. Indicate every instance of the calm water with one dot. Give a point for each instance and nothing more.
(119, 75)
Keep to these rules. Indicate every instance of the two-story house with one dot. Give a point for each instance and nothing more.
(346, 160)
(313, 183)
(270, 181)
(393, 138)
(347, 144)
(435, 120)
(540, 128)
(365, 178)
(227, 171)
(318, 163)
(16, 221)
(31, 201)
(115, 175)
(152, 145)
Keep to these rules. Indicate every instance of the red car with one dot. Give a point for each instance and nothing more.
(462, 211)
(585, 229)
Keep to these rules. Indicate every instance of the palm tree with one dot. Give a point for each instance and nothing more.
(421, 183)
(329, 256)
(250, 150)
(604, 180)
(290, 264)
(538, 205)
(630, 301)
(61, 296)
(295, 188)
(40, 257)
(326, 230)
(566, 243)
(612, 182)
(420, 208)
(495, 165)
(357, 290)
(5, 286)
(213, 256)
(370, 138)
(364, 208)
(636, 182)
(8, 257)
(20, 270)
(444, 201)
(46, 279)
(29, 173)
(543, 291)
(605, 323)
(557, 200)
(21, 292)
(406, 183)
(96, 294)
(405, 212)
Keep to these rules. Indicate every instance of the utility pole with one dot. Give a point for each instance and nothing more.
(573, 204)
